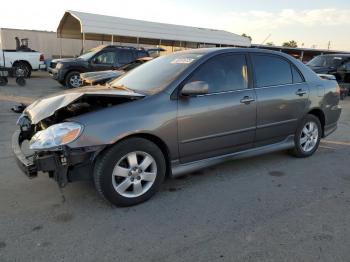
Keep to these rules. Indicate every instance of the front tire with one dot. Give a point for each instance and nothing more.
(21, 81)
(73, 80)
(307, 136)
(130, 172)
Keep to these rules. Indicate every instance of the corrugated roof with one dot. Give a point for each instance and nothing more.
(74, 23)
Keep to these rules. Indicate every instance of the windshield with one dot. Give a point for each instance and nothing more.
(87, 55)
(153, 76)
(325, 61)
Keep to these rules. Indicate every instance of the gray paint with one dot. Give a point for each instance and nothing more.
(185, 124)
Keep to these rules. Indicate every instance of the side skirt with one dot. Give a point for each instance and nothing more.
(179, 169)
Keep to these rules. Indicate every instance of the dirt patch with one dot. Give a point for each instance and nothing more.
(2, 244)
(276, 173)
(37, 228)
(174, 189)
(182, 177)
(323, 237)
(44, 244)
(63, 218)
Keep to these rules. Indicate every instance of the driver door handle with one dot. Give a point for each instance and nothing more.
(247, 100)
(300, 92)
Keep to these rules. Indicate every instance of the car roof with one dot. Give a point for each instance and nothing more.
(222, 50)
(101, 47)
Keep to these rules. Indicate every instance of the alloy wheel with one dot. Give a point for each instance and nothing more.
(134, 174)
(309, 136)
(75, 81)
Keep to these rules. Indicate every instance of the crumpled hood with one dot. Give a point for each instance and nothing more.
(47, 106)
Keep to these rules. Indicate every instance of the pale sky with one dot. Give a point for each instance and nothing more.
(309, 22)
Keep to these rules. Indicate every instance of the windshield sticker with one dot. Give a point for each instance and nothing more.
(182, 61)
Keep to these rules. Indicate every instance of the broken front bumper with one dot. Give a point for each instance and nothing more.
(64, 166)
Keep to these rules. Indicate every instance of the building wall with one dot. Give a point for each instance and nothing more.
(45, 42)
(52, 47)
(48, 43)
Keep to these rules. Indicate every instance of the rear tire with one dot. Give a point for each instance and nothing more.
(27, 71)
(21, 81)
(72, 80)
(307, 137)
(130, 172)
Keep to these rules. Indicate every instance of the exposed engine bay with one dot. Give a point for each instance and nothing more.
(83, 105)
(46, 112)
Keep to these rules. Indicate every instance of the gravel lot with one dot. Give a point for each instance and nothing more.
(268, 208)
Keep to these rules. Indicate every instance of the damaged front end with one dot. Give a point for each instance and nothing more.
(45, 125)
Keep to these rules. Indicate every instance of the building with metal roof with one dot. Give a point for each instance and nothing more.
(302, 53)
(85, 26)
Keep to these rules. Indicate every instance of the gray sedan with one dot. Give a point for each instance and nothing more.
(176, 114)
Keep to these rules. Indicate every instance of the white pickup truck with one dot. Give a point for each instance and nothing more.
(28, 61)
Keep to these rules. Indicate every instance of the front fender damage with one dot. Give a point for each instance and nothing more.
(64, 164)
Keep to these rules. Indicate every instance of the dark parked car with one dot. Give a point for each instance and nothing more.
(334, 64)
(102, 77)
(67, 71)
(176, 114)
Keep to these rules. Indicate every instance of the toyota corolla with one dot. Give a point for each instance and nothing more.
(176, 114)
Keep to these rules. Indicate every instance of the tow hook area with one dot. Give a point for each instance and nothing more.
(60, 164)
(60, 175)
(55, 164)
(64, 165)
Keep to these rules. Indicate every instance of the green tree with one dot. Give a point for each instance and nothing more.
(290, 43)
(270, 43)
(247, 36)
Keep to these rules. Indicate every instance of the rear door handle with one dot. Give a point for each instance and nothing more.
(247, 100)
(300, 92)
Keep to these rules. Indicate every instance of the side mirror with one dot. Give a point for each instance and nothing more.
(195, 88)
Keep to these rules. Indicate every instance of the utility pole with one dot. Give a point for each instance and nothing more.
(263, 42)
(329, 45)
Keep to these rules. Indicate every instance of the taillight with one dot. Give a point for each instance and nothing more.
(42, 58)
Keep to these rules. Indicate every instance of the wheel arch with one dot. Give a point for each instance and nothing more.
(70, 71)
(151, 137)
(24, 62)
(317, 112)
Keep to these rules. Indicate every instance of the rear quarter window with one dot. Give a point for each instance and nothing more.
(140, 54)
(271, 70)
(125, 56)
(297, 76)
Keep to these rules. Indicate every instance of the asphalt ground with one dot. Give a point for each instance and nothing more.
(268, 208)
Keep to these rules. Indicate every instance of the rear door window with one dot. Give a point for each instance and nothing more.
(271, 70)
(125, 56)
(346, 66)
